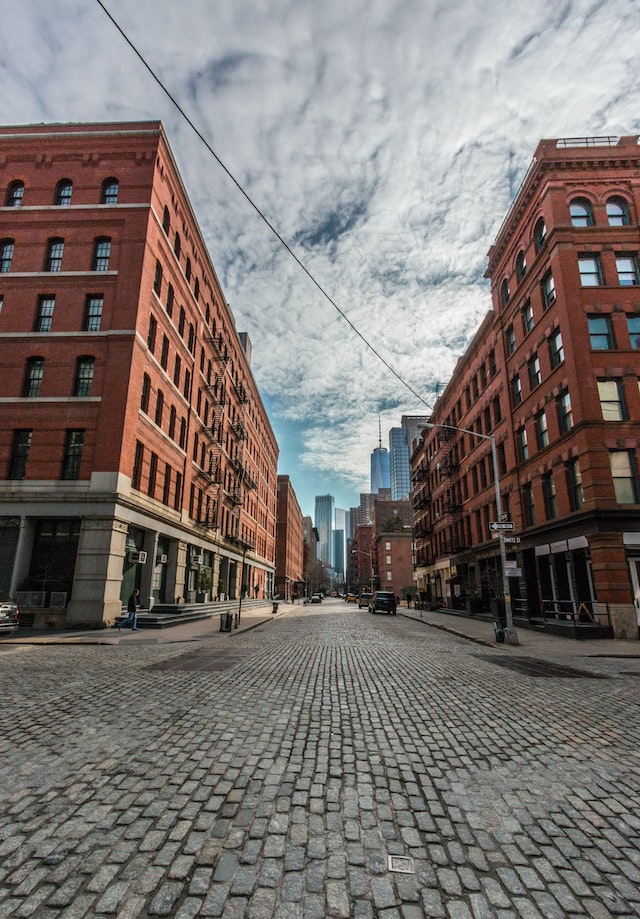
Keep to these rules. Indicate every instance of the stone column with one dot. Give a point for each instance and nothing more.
(95, 599)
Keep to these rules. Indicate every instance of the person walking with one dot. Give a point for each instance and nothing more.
(132, 608)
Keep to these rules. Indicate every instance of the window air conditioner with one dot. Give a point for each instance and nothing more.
(138, 557)
(196, 558)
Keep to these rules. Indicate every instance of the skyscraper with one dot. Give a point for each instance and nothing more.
(379, 466)
(324, 514)
(400, 449)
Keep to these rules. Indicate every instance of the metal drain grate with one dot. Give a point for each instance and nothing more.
(530, 666)
(208, 661)
(402, 864)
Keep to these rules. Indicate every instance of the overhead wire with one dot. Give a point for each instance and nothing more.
(256, 208)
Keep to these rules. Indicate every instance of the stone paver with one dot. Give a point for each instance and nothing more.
(279, 785)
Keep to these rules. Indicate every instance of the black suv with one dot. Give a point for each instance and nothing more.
(383, 601)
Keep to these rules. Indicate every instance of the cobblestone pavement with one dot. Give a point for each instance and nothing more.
(283, 771)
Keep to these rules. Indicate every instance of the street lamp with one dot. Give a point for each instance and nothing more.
(510, 633)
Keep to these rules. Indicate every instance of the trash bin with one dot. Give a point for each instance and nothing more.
(225, 622)
(275, 608)
(499, 629)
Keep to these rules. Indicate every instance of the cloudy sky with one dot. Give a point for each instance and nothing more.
(384, 139)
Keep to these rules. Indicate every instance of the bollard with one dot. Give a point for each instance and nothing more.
(275, 608)
(225, 622)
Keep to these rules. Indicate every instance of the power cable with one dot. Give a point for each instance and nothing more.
(255, 207)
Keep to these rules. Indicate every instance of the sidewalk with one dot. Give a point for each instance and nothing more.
(531, 643)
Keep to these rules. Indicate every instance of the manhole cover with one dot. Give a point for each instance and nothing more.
(402, 864)
(530, 666)
(209, 661)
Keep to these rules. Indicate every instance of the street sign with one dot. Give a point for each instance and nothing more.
(514, 572)
(507, 525)
(515, 539)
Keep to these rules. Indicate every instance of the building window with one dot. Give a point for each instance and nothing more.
(93, 314)
(493, 367)
(181, 322)
(136, 476)
(600, 333)
(164, 354)
(19, 454)
(528, 508)
(590, 270)
(581, 213)
(101, 254)
(6, 254)
(176, 245)
(146, 393)
(196, 289)
(565, 414)
(527, 317)
(187, 383)
(177, 369)
(618, 212)
(556, 348)
(159, 408)
(548, 290)
(549, 494)
(170, 299)
(192, 338)
(151, 334)
(53, 260)
(64, 190)
(505, 295)
(33, 377)
(183, 434)
(633, 327)
(623, 471)
(15, 194)
(166, 220)
(84, 376)
(177, 497)
(153, 474)
(497, 411)
(611, 400)
(516, 390)
(157, 279)
(44, 317)
(187, 269)
(539, 235)
(73, 444)
(627, 267)
(523, 446)
(167, 484)
(535, 374)
(574, 485)
(172, 422)
(511, 340)
(110, 191)
(542, 430)
(521, 266)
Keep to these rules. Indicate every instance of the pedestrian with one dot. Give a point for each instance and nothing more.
(132, 607)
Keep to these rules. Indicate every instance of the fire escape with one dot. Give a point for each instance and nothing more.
(450, 538)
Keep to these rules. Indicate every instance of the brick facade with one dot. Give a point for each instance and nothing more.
(131, 422)
(290, 542)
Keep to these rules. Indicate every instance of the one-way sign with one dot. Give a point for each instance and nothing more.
(509, 525)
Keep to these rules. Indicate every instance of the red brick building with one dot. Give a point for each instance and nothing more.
(552, 376)
(134, 447)
(290, 542)
(393, 546)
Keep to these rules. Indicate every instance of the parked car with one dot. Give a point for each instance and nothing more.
(383, 601)
(351, 598)
(9, 616)
(316, 598)
(363, 599)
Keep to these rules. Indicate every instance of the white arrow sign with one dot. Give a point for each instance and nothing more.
(502, 526)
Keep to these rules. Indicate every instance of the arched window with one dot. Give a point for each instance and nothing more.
(166, 220)
(581, 213)
(15, 193)
(187, 269)
(196, 289)
(6, 254)
(539, 234)
(110, 190)
(146, 392)
(157, 279)
(505, 296)
(176, 245)
(618, 212)
(521, 265)
(170, 299)
(53, 259)
(84, 375)
(33, 377)
(172, 422)
(101, 254)
(64, 190)
(159, 407)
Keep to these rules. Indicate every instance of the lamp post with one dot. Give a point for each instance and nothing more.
(510, 633)
(370, 554)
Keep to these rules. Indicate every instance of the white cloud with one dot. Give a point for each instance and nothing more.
(384, 139)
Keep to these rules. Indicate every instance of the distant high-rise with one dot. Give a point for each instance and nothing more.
(380, 466)
(400, 449)
(324, 524)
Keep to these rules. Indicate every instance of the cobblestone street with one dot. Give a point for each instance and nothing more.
(278, 772)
